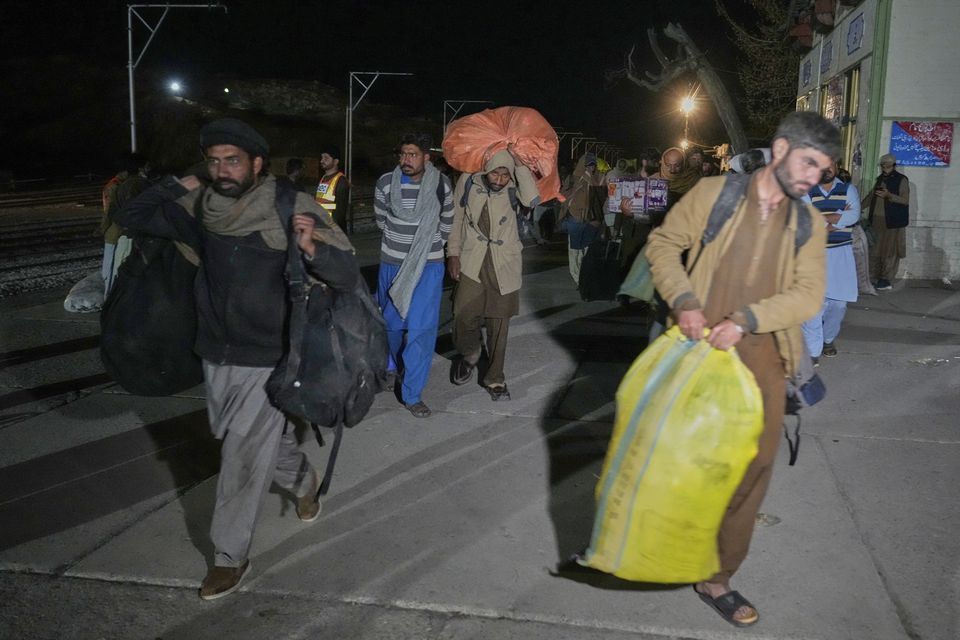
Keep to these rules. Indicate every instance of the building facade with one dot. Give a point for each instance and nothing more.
(887, 73)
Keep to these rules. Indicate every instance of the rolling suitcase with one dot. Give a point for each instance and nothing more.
(600, 271)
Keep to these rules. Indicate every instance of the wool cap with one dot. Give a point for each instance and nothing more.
(235, 132)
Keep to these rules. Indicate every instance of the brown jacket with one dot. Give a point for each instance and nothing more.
(801, 273)
(577, 196)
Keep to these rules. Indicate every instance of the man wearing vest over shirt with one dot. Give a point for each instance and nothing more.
(840, 204)
(333, 190)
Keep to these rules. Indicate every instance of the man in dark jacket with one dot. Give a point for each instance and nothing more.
(242, 308)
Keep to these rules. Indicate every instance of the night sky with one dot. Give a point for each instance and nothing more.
(548, 55)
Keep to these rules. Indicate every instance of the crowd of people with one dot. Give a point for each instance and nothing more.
(776, 276)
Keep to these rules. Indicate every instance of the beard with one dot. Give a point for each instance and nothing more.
(231, 188)
(793, 190)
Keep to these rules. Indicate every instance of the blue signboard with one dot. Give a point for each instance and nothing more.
(922, 144)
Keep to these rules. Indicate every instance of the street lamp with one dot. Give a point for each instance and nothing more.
(686, 106)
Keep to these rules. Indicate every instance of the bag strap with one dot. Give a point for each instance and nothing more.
(296, 292)
(441, 192)
(794, 444)
(466, 191)
(733, 192)
(511, 193)
(295, 274)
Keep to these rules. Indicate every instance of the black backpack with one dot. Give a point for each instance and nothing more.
(148, 324)
(337, 357)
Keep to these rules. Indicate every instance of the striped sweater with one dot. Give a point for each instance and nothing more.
(398, 235)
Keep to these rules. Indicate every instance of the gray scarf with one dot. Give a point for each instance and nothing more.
(427, 213)
(255, 210)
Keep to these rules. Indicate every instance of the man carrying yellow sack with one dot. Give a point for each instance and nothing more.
(752, 277)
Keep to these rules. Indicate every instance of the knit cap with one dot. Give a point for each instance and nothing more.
(235, 132)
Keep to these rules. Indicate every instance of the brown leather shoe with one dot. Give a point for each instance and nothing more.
(222, 581)
(308, 505)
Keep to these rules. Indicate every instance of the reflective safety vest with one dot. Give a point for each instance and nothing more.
(833, 202)
(327, 192)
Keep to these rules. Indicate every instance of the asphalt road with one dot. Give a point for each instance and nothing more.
(460, 526)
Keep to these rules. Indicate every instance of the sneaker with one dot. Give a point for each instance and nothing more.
(816, 361)
(419, 410)
(884, 285)
(308, 505)
(498, 392)
(461, 372)
(222, 581)
(829, 350)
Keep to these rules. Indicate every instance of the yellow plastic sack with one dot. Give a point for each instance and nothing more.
(687, 424)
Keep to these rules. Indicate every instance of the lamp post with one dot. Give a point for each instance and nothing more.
(152, 28)
(358, 77)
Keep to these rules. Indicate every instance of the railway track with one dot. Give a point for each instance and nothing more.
(45, 245)
(45, 250)
(87, 195)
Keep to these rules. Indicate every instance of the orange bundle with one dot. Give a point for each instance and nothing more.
(472, 140)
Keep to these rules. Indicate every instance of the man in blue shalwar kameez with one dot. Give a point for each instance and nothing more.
(840, 204)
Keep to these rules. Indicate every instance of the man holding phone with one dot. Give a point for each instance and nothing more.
(889, 216)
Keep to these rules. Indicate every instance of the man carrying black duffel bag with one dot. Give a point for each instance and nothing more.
(242, 310)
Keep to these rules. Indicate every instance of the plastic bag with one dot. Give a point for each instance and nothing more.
(861, 257)
(687, 425)
(472, 140)
(639, 281)
(86, 296)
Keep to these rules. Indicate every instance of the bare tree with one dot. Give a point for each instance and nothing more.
(688, 59)
(768, 65)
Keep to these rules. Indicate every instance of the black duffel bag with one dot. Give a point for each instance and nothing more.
(148, 323)
(336, 359)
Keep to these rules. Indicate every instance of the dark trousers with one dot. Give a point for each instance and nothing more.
(471, 307)
(760, 354)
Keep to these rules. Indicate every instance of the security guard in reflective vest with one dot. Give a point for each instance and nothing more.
(333, 190)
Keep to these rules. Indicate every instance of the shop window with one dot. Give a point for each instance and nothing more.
(840, 105)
